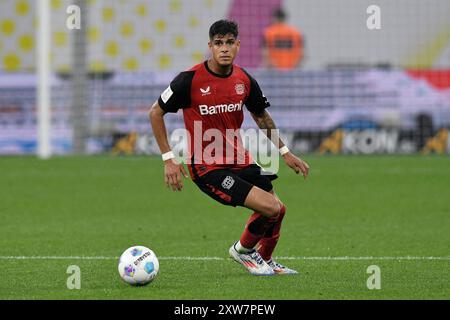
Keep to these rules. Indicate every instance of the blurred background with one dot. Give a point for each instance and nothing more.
(342, 76)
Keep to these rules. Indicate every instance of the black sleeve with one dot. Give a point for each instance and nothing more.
(178, 93)
(256, 101)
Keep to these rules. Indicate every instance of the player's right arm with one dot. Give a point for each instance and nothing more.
(175, 97)
(172, 169)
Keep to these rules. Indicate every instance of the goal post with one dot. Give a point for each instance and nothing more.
(43, 80)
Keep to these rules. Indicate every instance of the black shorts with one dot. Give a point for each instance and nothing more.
(231, 186)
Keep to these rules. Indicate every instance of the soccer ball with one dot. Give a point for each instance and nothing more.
(138, 265)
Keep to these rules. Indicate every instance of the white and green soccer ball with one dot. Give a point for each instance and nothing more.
(138, 265)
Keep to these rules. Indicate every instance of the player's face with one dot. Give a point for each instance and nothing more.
(224, 49)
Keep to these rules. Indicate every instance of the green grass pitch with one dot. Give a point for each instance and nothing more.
(385, 207)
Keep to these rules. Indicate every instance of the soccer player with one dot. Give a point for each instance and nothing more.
(211, 95)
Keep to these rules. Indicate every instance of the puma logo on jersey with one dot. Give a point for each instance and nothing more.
(220, 108)
(205, 91)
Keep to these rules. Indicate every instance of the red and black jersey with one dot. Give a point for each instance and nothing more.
(212, 107)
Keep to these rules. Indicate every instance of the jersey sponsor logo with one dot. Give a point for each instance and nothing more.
(205, 91)
(220, 108)
(240, 88)
(228, 182)
(165, 96)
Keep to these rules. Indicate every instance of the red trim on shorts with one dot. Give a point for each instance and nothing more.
(221, 194)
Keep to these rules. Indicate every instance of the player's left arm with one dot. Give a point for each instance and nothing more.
(266, 123)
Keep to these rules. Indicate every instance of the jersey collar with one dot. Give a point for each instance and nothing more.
(217, 74)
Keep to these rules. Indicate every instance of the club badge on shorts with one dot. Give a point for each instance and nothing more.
(228, 182)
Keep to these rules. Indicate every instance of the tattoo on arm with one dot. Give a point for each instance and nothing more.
(266, 123)
(264, 120)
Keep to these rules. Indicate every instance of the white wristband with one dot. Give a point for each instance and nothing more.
(284, 150)
(168, 155)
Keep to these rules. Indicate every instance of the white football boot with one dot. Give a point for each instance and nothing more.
(279, 268)
(252, 261)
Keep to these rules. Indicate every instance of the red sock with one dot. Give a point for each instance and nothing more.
(254, 230)
(268, 243)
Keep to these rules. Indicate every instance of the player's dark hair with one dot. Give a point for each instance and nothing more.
(223, 27)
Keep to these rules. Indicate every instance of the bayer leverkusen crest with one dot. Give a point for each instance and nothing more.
(240, 88)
